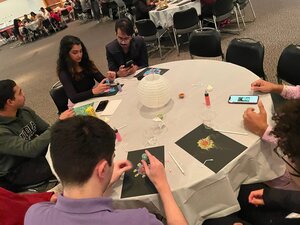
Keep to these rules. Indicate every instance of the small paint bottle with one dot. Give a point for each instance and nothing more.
(207, 99)
(118, 136)
(119, 87)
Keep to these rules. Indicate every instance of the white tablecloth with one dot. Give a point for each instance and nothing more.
(200, 192)
(164, 17)
(32, 25)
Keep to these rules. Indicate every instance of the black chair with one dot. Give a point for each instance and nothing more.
(288, 67)
(38, 187)
(147, 29)
(184, 22)
(247, 53)
(48, 26)
(59, 97)
(223, 9)
(241, 5)
(205, 43)
(65, 15)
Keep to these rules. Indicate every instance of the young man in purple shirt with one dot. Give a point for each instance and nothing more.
(257, 122)
(82, 151)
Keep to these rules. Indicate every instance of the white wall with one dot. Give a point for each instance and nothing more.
(11, 9)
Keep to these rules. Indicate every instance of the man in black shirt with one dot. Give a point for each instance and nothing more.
(125, 48)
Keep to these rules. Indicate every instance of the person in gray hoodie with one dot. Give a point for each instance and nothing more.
(24, 138)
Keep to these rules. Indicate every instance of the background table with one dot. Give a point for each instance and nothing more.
(200, 192)
(164, 17)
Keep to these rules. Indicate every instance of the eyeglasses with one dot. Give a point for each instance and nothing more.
(124, 39)
(280, 154)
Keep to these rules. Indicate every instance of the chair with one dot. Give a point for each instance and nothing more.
(147, 29)
(241, 4)
(288, 67)
(59, 97)
(184, 22)
(121, 7)
(48, 26)
(65, 15)
(223, 9)
(38, 187)
(247, 53)
(205, 42)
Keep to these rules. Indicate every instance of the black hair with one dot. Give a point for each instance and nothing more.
(125, 25)
(287, 128)
(65, 63)
(6, 92)
(77, 145)
(49, 9)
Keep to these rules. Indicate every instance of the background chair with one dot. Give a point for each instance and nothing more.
(241, 5)
(205, 43)
(248, 53)
(223, 9)
(65, 15)
(288, 70)
(59, 97)
(48, 26)
(184, 22)
(121, 7)
(147, 29)
(38, 187)
(288, 67)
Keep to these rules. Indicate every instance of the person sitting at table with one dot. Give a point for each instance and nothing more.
(124, 48)
(24, 139)
(142, 8)
(67, 3)
(54, 18)
(272, 201)
(77, 72)
(257, 122)
(45, 13)
(26, 19)
(82, 152)
(39, 18)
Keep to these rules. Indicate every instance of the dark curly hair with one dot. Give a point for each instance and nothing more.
(287, 129)
(65, 63)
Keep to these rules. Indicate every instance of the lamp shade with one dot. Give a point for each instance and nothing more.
(154, 91)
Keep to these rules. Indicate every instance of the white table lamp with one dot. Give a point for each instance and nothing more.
(154, 91)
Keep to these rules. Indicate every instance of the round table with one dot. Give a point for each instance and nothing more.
(164, 17)
(199, 192)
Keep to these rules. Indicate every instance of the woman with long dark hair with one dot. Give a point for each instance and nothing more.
(77, 72)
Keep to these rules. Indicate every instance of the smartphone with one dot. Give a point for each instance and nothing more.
(128, 64)
(113, 84)
(101, 106)
(243, 99)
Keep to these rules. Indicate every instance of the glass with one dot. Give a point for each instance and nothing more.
(208, 116)
(281, 155)
(156, 128)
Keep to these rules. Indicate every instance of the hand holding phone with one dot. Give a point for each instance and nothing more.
(243, 99)
(102, 105)
(128, 64)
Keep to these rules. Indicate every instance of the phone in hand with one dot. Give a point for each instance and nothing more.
(243, 99)
(101, 106)
(128, 64)
(113, 84)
